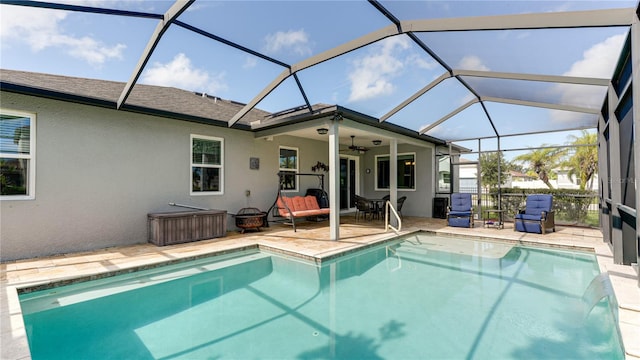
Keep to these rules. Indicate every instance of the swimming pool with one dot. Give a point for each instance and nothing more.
(419, 297)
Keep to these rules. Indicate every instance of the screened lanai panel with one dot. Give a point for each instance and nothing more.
(435, 104)
(469, 123)
(72, 43)
(588, 52)
(512, 146)
(516, 119)
(289, 31)
(587, 96)
(373, 79)
(192, 62)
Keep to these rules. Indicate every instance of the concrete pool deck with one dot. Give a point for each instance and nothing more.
(310, 241)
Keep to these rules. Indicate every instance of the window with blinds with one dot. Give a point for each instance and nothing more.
(17, 155)
(207, 165)
(288, 166)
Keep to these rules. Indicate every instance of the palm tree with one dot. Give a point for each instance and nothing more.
(541, 161)
(584, 162)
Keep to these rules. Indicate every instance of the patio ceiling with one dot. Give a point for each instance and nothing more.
(455, 71)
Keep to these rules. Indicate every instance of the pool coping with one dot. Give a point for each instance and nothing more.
(19, 348)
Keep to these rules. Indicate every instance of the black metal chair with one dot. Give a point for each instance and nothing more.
(364, 207)
(401, 201)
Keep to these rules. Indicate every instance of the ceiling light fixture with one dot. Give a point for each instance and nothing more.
(322, 131)
(376, 142)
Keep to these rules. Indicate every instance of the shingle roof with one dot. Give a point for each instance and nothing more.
(174, 103)
(167, 101)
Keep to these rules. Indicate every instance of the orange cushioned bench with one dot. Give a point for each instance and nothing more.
(299, 206)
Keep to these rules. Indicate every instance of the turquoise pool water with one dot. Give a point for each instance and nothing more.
(423, 297)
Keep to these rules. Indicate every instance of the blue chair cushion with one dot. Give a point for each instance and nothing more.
(460, 202)
(538, 203)
(528, 227)
(459, 213)
(459, 221)
(528, 217)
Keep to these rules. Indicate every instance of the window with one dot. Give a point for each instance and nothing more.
(207, 165)
(17, 155)
(406, 171)
(289, 166)
(444, 173)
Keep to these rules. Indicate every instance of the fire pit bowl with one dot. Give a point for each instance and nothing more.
(251, 218)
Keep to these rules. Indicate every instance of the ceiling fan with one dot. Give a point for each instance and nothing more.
(356, 148)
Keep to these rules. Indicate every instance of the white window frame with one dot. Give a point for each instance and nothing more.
(415, 175)
(443, 190)
(192, 165)
(297, 150)
(31, 181)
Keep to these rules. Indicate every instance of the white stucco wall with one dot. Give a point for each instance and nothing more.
(100, 172)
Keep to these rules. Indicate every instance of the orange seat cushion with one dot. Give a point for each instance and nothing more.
(298, 203)
(311, 202)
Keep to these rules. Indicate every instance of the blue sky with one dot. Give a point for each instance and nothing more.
(372, 80)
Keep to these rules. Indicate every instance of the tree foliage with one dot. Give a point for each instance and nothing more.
(489, 169)
(541, 162)
(584, 162)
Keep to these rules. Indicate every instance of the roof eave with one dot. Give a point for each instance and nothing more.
(108, 104)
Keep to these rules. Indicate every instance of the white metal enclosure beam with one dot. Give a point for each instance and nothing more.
(315, 60)
(579, 109)
(448, 116)
(413, 97)
(169, 17)
(550, 20)
(533, 77)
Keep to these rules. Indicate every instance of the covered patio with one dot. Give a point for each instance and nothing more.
(527, 76)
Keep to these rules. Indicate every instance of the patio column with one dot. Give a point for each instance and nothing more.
(393, 176)
(334, 182)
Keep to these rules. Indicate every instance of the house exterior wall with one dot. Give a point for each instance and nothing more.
(99, 172)
(418, 201)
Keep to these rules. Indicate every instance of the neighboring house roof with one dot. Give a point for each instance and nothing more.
(517, 174)
(178, 104)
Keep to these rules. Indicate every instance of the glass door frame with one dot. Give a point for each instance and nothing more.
(356, 159)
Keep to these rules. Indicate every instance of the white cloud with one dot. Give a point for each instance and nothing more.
(290, 41)
(181, 73)
(421, 62)
(598, 61)
(373, 73)
(41, 29)
(472, 62)
(250, 62)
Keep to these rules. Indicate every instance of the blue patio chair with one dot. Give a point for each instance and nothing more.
(538, 215)
(460, 212)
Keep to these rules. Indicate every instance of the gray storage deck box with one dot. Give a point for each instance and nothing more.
(185, 226)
